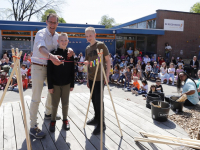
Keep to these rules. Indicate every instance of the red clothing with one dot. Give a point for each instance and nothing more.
(4, 81)
(161, 61)
(25, 83)
(29, 72)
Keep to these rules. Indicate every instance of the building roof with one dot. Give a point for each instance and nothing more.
(152, 16)
(140, 31)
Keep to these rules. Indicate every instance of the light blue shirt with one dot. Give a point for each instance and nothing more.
(189, 86)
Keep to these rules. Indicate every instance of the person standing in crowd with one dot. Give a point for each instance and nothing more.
(189, 88)
(91, 55)
(130, 52)
(45, 42)
(194, 66)
(168, 50)
(82, 58)
(136, 53)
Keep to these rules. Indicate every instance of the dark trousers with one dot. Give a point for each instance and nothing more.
(188, 103)
(96, 99)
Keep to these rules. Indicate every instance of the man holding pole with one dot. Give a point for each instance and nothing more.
(92, 56)
(45, 42)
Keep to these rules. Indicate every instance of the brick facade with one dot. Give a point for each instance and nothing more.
(177, 39)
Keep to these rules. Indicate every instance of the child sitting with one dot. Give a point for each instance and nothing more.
(143, 89)
(163, 73)
(148, 69)
(24, 81)
(29, 75)
(122, 75)
(128, 76)
(115, 76)
(155, 70)
(80, 72)
(179, 70)
(27, 62)
(136, 73)
(135, 86)
(122, 64)
(159, 87)
(171, 72)
(152, 89)
(3, 81)
(23, 69)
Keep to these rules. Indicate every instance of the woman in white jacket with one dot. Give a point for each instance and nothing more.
(163, 73)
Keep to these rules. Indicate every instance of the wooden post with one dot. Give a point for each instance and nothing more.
(16, 69)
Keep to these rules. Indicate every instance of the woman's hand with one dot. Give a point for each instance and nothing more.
(51, 91)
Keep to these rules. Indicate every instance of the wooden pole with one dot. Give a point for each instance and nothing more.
(8, 82)
(95, 76)
(163, 142)
(101, 120)
(20, 87)
(112, 102)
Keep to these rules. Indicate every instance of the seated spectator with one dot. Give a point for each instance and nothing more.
(147, 71)
(80, 72)
(122, 64)
(171, 72)
(146, 59)
(122, 75)
(180, 69)
(194, 66)
(136, 73)
(3, 81)
(27, 62)
(163, 73)
(29, 58)
(161, 60)
(154, 72)
(127, 59)
(131, 63)
(159, 87)
(23, 69)
(24, 81)
(111, 73)
(3, 62)
(136, 53)
(139, 57)
(153, 59)
(135, 86)
(122, 57)
(173, 61)
(180, 62)
(189, 88)
(7, 62)
(198, 84)
(143, 89)
(128, 76)
(116, 72)
(152, 89)
(11, 68)
(111, 59)
(29, 76)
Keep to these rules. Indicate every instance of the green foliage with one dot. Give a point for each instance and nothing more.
(47, 12)
(195, 8)
(108, 22)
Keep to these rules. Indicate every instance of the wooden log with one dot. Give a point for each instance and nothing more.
(163, 142)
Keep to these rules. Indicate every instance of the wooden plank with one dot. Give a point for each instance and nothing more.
(147, 116)
(143, 110)
(126, 130)
(110, 126)
(47, 142)
(9, 132)
(1, 127)
(110, 143)
(130, 121)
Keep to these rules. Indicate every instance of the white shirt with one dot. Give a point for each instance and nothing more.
(23, 71)
(80, 68)
(146, 60)
(148, 67)
(82, 59)
(146, 88)
(43, 38)
(163, 71)
(171, 70)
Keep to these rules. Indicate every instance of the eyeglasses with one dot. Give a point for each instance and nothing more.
(52, 22)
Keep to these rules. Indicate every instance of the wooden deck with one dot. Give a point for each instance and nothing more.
(133, 118)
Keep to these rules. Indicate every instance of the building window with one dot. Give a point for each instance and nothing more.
(140, 38)
(142, 25)
(134, 26)
(20, 33)
(141, 45)
(23, 43)
(151, 24)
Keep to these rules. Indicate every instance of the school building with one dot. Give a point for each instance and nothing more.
(150, 33)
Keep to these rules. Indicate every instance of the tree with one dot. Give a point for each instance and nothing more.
(46, 13)
(108, 22)
(25, 9)
(195, 8)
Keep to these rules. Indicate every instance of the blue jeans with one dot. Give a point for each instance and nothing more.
(142, 92)
(171, 75)
(134, 88)
(125, 83)
(121, 78)
(153, 75)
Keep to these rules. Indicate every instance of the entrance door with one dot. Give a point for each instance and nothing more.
(130, 43)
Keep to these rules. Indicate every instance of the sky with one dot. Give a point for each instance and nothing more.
(91, 11)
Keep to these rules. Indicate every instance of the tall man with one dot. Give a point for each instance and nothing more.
(91, 55)
(45, 42)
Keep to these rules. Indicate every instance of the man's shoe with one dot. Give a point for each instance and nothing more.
(66, 124)
(37, 133)
(48, 117)
(97, 130)
(52, 126)
(92, 122)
